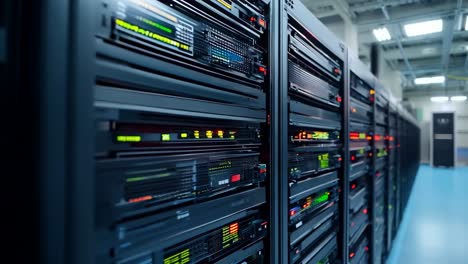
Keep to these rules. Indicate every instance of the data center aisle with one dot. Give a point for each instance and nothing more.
(435, 225)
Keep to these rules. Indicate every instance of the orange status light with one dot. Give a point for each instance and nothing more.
(140, 199)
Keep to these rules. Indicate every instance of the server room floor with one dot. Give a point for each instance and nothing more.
(435, 226)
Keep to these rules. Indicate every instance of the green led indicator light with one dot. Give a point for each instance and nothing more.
(181, 257)
(324, 161)
(322, 198)
(136, 179)
(166, 137)
(183, 135)
(323, 261)
(155, 24)
(128, 138)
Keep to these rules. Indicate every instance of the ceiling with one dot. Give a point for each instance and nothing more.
(444, 53)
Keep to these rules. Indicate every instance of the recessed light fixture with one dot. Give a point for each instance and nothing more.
(429, 80)
(459, 98)
(381, 34)
(423, 28)
(439, 99)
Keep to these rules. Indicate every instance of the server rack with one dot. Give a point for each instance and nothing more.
(182, 137)
(313, 85)
(408, 139)
(381, 171)
(362, 163)
(392, 177)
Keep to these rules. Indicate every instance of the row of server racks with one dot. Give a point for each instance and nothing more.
(213, 131)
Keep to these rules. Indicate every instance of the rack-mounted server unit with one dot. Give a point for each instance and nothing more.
(181, 155)
(314, 62)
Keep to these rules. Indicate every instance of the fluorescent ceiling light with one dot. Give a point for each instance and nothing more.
(381, 34)
(459, 98)
(429, 80)
(439, 99)
(423, 28)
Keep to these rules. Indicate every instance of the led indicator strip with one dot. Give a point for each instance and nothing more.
(226, 3)
(310, 203)
(149, 34)
(179, 258)
(128, 138)
(316, 135)
(324, 161)
(357, 135)
(178, 136)
(155, 24)
(230, 234)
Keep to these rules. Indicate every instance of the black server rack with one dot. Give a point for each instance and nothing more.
(313, 85)
(408, 159)
(392, 177)
(362, 134)
(381, 173)
(181, 135)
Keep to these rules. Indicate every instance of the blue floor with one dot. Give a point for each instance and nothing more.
(435, 224)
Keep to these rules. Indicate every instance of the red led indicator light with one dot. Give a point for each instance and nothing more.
(365, 211)
(140, 199)
(366, 248)
(234, 228)
(262, 69)
(340, 159)
(353, 186)
(354, 135)
(353, 158)
(338, 99)
(292, 212)
(337, 71)
(253, 19)
(235, 178)
(351, 255)
(262, 22)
